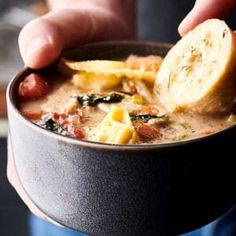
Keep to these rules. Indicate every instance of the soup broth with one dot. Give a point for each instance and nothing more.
(112, 108)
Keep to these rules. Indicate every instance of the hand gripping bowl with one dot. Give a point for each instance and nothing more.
(104, 189)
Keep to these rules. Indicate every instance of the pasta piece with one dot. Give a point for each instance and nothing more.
(116, 128)
(118, 69)
(93, 66)
(96, 82)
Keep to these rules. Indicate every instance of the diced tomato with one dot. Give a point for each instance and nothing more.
(61, 119)
(147, 131)
(55, 116)
(32, 87)
(32, 115)
(75, 132)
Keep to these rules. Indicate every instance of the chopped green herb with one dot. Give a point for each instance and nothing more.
(145, 118)
(51, 125)
(94, 99)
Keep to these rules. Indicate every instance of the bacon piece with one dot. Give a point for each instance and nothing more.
(75, 132)
(55, 116)
(147, 131)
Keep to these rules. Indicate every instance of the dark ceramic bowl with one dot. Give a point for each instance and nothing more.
(104, 189)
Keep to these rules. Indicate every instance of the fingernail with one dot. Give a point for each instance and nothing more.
(35, 45)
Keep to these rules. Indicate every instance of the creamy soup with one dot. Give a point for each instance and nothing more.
(118, 107)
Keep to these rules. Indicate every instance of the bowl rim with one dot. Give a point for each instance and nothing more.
(93, 144)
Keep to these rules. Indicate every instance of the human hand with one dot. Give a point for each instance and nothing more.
(203, 10)
(73, 22)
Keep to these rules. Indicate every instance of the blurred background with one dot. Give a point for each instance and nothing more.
(157, 21)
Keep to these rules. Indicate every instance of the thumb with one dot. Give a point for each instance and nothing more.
(203, 10)
(42, 40)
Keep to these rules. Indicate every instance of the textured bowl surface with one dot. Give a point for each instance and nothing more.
(106, 189)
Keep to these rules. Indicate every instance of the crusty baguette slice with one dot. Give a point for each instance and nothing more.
(199, 72)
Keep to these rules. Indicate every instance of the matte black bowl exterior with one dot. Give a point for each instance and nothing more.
(106, 189)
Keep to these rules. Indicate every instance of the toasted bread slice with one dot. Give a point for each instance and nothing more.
(199, 72)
